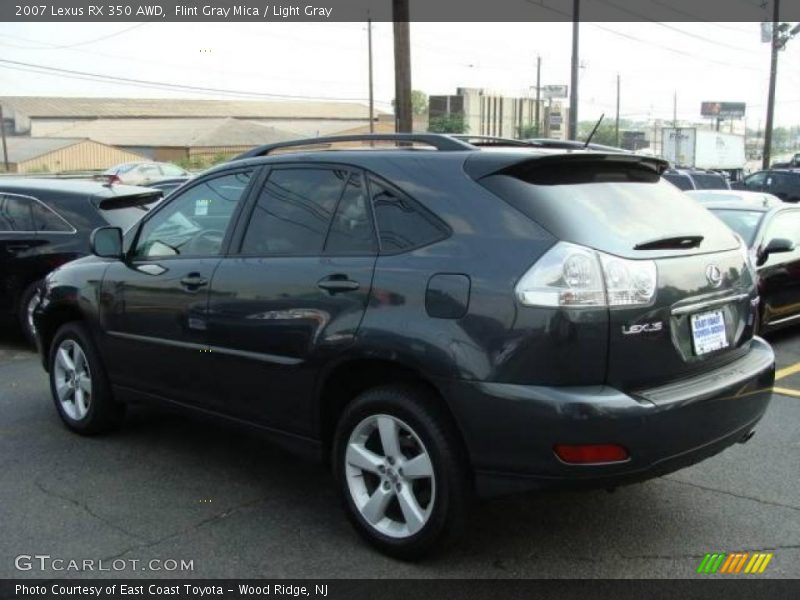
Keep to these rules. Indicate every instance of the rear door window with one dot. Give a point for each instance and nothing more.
(15, 213)
(47, 220)
(709, 181)
(351, 229)
(294, 211)
(402, 223)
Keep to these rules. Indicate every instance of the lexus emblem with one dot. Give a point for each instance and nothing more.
(714, 275)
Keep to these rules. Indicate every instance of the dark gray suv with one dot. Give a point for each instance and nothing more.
(433, 319)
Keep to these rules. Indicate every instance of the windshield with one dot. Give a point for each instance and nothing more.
(743, 222)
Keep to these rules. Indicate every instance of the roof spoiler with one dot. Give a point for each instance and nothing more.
(129, 200)
(506, 165)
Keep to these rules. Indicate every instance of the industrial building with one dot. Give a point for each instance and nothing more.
(58, 155)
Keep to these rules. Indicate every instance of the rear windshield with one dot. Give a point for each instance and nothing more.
(743, 222)
(707, 181)
(610, 207)
(119, 169)
(682, 182)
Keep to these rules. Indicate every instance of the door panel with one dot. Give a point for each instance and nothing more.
(154, 304)
(295, 296)
(19, 254)
(780, 275)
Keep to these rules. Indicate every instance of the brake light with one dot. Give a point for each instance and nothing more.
(585, 454)
(574, 276)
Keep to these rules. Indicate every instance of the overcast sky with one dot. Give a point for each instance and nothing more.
(702, 61)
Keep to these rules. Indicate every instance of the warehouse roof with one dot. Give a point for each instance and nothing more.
(21, 148)
(177, 132)
(97, 108)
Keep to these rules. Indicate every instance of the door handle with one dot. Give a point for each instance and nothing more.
(193, 281)
(17, 247)
(334, 284)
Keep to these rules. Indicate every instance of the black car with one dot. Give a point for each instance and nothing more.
(783, 183)
(696, 179)
(45, 223)
(771, 229)
(431, 322)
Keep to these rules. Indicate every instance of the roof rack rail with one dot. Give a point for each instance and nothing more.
(490, 140)
(443, 143)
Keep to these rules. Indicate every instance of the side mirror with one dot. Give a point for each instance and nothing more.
(775, 246)
(106, 242)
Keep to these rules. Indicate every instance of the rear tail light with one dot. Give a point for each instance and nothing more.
(586, 454)
(572, 275)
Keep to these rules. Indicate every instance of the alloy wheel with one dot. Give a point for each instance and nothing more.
(73, 380)
(390, 476)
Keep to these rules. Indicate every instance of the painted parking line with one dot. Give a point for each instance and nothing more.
(787, 392)
(786, 371)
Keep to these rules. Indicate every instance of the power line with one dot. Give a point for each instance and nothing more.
(671, 27)
(694, 17)
(164, 85)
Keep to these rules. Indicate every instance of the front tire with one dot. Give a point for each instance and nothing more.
(398, 464)
(79, 384)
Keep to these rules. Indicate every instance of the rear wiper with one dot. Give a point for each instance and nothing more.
(678, 242)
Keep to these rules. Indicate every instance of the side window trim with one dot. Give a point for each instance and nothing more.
(427, 213)
(72, 231)
(232, 225)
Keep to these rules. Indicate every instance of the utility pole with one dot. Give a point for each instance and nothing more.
(616, 128)
(3, 135)
(538, 91)
(402, 66)
(573, 93)
(773, 75)
(371, 97)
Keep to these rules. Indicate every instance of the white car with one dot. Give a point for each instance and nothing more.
(142, 173)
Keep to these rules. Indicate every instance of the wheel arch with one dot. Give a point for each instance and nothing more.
(350, 377)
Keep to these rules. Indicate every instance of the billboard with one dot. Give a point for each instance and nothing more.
(554, 91)
(723, 110)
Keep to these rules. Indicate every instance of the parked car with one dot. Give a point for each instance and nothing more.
(771, 229)
(143, 173)
(704, 196)
(793, 163)
(47, 222)
(431, 323)
(696, 179)
(783, 183)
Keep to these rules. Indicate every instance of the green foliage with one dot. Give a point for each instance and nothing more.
(605, 134)
(448, 124)
(419, 102)
(529, 131)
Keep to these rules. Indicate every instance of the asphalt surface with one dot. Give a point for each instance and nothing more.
(171, 488)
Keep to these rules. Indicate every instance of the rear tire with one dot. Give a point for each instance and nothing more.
(79, 383)
(27, 302)
(398, 463)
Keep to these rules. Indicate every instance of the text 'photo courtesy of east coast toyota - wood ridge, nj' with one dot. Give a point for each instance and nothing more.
(400, 298)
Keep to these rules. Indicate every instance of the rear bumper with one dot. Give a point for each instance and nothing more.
(510, 430)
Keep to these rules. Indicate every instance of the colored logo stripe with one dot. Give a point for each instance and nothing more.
(735, 562)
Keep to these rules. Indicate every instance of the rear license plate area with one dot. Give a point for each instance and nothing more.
(708, 332)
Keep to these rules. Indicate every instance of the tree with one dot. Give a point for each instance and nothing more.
(419, 102)
(448, 124)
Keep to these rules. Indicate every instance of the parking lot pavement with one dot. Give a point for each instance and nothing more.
(166, 487)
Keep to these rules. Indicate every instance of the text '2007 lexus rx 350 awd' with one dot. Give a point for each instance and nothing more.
(433, 319)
